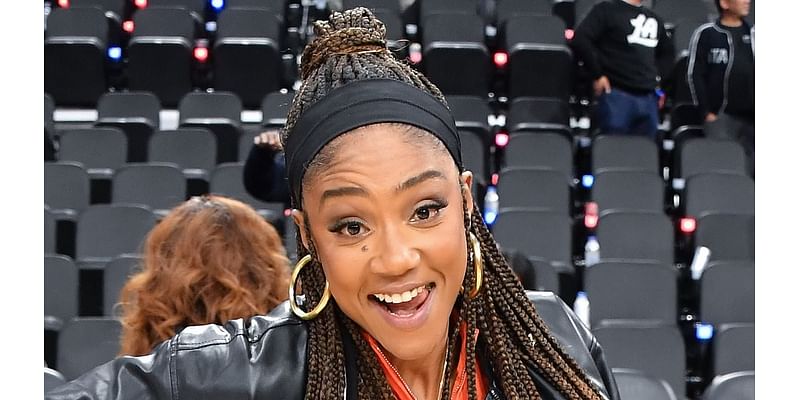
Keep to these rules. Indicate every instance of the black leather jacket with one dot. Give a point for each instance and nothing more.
(265, 359)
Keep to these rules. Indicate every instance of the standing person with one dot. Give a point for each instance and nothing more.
(625, 49)
(210, 260)
(265, 169)
(405, 294)
(721, 76)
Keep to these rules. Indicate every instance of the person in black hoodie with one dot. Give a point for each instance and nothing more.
(265, 169)
(625, 49)
(721, 76)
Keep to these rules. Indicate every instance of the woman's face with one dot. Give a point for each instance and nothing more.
(386, 216)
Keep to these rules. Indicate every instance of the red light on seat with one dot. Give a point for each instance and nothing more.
(590, 217)
(201, 54)
(140, 3)
(500, 59)
(501, 139)
(688, 225)
(569, 34)
(287, 212)
(63, 3)
(495, 179)
(127, 26)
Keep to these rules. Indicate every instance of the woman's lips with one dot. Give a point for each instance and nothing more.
(409, 315)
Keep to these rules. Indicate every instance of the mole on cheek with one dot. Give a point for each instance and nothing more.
(364, 248)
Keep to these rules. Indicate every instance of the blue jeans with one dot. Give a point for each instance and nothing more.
(620, 112)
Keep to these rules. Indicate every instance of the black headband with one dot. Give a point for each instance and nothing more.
(361, 103)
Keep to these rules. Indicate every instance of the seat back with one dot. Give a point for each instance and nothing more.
(227, 179)
(543, 189)
(727, 292)
(730, 237)
(537, 43)
(86, 343)
(456, 39)
(221, 112)
(507, 9)
(107, 230)
(96, 148)
(632, 291)
(540, 149)
(636, 385)
(159, 186)
(673, 12)
(656, 350)
(50, 231)
(733, 386)
(733, 348)
(537, 234)
(636, 236)
(60, 291)
(275, 107)
(699, 155)
(539, 114)
(115, 275)
(719, 193)
(624, 153)
(628, 191)
(189, 148)
(52, 379)
(474, 155)
(136, 113)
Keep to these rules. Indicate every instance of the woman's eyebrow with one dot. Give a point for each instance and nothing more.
(416, 180)
(343, 191)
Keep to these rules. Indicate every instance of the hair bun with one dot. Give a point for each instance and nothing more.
(351, 31)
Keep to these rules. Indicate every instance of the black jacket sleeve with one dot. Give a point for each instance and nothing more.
(665, 55)
(264, 178)
(589, 31)
(697, 71)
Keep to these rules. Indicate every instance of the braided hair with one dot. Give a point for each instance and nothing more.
(351, 46)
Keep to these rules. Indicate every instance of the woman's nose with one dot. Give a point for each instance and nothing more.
(396, 253)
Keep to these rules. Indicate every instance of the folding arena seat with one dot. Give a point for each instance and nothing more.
(507, 9)
(435, 7)
(221, 112)
(719, 193)
(227, 179)
(66, 188)
(75, 47)
(632, 291)
(159, 186)
(634, 384)
(60, 291)
(100, 150)
(114, 11)
(727, 292)
(274, 109)
(197, 8)
(194, 150)
(730, 237)
(86, 343)
(624, 153)
(52, 379)
(673, 12)
(540, 149)
(535, 274)
(733, 386)
(247, 58)
(539, 114)
(698, 155)
(537, 43)
(539, 235)
(471, 114)
(389, 5)
(136, 113)
(50, 232)
(685, 114)
(160, 53)
(636, 236)
(115, 275)
(49, 111)
(628, 191)
(456, 39)
(734, 348)
(655, 349)
(108, 230)
(537, 188)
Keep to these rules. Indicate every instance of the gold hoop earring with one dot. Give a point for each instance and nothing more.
(477, 260)
(323, 302)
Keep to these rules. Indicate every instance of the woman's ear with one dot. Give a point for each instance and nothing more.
(466, 189)
(300, 220)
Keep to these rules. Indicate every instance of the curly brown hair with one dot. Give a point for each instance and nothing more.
(210, 260)
(351, 46)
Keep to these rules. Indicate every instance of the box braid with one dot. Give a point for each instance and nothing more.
(351, 46)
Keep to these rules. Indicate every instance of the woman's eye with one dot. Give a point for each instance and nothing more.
(353, 228)
(427, 212)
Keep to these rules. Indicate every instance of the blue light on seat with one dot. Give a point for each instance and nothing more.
(587, 181)
(115, 53)
(217, 5)
(703, 331)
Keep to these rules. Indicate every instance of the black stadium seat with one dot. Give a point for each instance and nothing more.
(221, 112)
(160, 53)
(247, 58)
(471, 114)
(115, 275)
(636, 236)
(628, 191)
(535, 188)
(86, 343)
(274, 109)
(539, 235)
(734, 348)
(227, 180)
(730, 237)
(733, 386)
(106, 231)
(540, 149)
(75, 48)
(634, 384)
(194, 150)
(507, 9)
(159, 186)
(61, 291)
(719, 193)
(388, 5)
(539, 114)
(429, 8)
(52, 379)
(673, 12)
(475, 158)
(537, 43)
(727, 292)
(624, 153)
(136, 113)
(699, 155)
(50, 233)
(100, 150)
(456, 39)
(66, 188)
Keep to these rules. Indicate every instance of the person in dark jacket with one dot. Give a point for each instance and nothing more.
(265, 169)
(625, 50)
(721, 76)
(404, 292)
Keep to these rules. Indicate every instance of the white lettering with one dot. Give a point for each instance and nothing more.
(645, 31)
(718, 56)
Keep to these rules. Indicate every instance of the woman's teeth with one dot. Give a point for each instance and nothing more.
(395, 298)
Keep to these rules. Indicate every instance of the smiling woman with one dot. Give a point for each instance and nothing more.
(401, 292)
